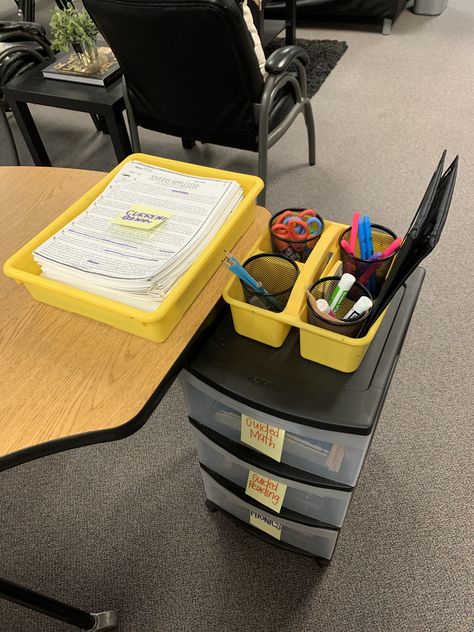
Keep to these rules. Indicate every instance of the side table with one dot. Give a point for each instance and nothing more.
(103, 103)
(270, 28)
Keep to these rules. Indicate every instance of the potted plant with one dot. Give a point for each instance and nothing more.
(74, 29)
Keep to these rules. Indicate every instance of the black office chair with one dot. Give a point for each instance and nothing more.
(22, 45)
(191, 71)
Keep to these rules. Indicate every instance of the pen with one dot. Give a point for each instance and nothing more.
(252, 283)
(339, 293)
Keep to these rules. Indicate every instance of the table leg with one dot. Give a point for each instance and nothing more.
(290, 30)
(30, 133)
(28, 10)
(57, 609)
(99, 122)
(118, 134)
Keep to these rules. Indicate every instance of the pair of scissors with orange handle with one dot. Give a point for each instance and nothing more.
(288, 228)
(296, 226)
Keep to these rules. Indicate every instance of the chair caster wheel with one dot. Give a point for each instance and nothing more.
(210, 506)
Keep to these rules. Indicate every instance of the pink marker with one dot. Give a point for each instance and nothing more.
(345, 244)
(354, 229)
(396, 243)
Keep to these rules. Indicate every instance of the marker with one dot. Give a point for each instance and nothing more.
(320, 307)
(368, 237)
(366, 276)
(323, 306)
(396, 243)
(359, 308)
(346, 246)
(339, 293)
(353, 237)
(362, 240)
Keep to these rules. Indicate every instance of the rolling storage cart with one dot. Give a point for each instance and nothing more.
(281, 440)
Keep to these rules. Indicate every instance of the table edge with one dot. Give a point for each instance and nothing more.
(123, 429)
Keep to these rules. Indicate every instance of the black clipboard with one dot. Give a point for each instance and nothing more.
(421, 238)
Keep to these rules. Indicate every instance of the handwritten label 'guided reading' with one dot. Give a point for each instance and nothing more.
(262, 436)
(265, 490)
(266, 524)
(140, 216)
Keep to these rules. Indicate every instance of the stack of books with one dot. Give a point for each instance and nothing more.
(101, 72)
(137, 239)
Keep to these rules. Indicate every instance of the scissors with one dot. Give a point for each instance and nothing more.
(292, 228)
(297, 226)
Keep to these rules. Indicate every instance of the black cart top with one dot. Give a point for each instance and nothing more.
(283, 384)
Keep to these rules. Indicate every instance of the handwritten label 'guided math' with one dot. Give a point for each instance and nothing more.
(264, 523)
(265, 490)
(262, 436)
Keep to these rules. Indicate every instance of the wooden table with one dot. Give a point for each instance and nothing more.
(65, 380)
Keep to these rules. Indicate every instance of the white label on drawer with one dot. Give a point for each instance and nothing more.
(262, 436)
(268, 525)
(265, 490)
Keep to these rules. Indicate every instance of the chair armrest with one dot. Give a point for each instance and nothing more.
(283, 57)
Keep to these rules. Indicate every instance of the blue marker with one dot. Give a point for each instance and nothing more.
(368, 237)
(362, 244)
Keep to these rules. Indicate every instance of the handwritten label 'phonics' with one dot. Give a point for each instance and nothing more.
(139, 216)
(270, 526)
(262, 436)
(265, 490)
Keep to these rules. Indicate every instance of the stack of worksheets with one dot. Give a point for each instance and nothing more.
(136, 240)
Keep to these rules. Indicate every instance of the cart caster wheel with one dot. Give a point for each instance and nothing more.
(321, 563)
(210, 506)
(187, 143)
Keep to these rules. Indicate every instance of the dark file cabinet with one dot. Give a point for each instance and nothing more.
(305, 484)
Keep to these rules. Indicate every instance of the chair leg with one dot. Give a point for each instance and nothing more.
(386, 26)
(262, 165)
(136, 147)
(10, 139)
(309, 121)
(187, 143)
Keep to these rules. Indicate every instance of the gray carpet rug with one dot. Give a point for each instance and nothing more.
(323, 57)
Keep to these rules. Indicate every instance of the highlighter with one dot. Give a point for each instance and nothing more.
(339, 293)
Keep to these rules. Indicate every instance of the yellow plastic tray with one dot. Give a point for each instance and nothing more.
(156, 325)
(316, 344)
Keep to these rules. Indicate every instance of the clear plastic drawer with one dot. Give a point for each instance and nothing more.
(335, 456)
(319, 503)
(314, 541)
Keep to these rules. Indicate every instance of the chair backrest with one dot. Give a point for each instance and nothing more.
(190, 66)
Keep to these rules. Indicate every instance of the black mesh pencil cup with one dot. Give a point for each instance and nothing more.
(324, 289)
(283, 242)
(371, 274)
(277, 274)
